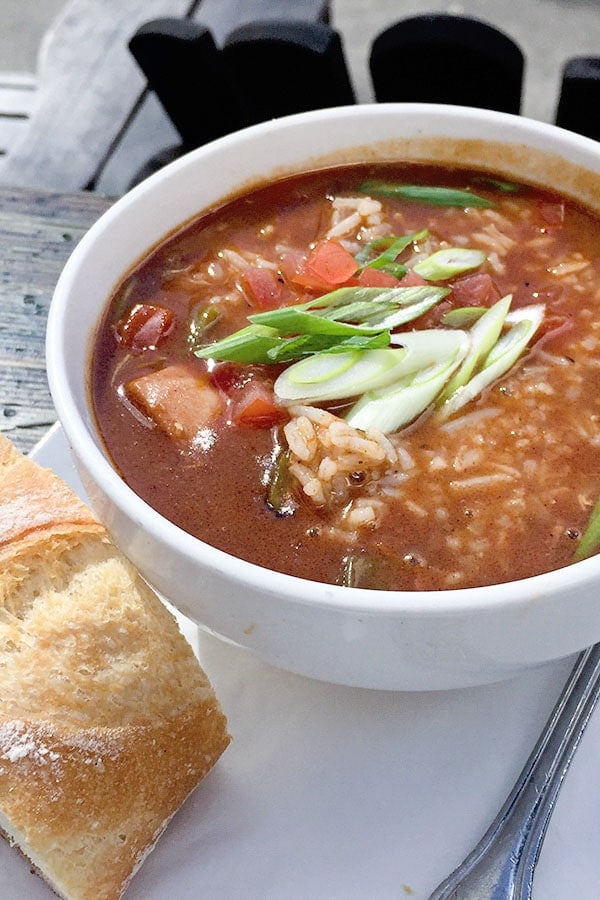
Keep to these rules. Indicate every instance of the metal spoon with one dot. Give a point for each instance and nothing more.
(502, 864)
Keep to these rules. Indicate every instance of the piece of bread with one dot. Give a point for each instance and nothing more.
(107, 721)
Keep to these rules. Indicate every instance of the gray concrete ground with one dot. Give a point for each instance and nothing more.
(548, 32)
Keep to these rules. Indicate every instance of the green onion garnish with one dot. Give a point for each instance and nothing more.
(330, 376)
(365, 306)
(334, 376)
(343, 345)
(202, 320)
(503, 355)
(360, 570)
(307, 344)
(249, 345)
(438, 196)
(324, 323)
(507, 187)
(463, 316)
(293, 320)
(391, 408)
(590, 539)
(392, 248)
(446, 263)
(484, 334)
(339, 304)
(279, 488)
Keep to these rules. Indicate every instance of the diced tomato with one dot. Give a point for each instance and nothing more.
(412, 279)
(265, 288)
(370, 277)
(229, 377)
(552, 213)
(177, 400)
(145, 326)
(474, 290)
(327, 266)
(255, 406)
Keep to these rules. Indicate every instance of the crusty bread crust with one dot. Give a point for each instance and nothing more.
(107, 721)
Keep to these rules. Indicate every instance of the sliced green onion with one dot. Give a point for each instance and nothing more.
(393, 248)
(590, 539)
(500, 359)
(340, 376)
(463, 316)
(406, 314)
(507, 187)
(202, 320)
(250, 345)
(334, 376)
(292, 320)
(510, 346)
(359, 570)
(334, 304)
(279, 489)
(374, 246)
(429, 346)
(438, 196)
(373, 309)
(376, 341)
(484, 334)
(308, 344)
(385, 307)
(349, 574)
(340, 316)
(391, 408)
(360, 311)
(122, 302)
(446, 263)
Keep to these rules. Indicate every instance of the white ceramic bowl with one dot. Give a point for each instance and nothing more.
(376, 639)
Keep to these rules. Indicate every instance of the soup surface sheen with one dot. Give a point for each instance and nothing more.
(498, 490)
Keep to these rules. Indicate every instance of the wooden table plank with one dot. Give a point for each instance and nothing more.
(91, 89)
(88, 85)
(38, 232)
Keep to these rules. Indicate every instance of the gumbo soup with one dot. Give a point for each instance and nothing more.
(379, 376)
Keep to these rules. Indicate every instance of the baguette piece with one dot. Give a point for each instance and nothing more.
(107, 721)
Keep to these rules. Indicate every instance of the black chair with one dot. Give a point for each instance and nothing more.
(578, 106)
(186, 71)
(447, 59)
(284, 67)
(264, 70)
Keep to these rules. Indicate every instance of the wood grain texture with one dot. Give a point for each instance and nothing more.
(17, 101)
(38, 232)
(88, 85)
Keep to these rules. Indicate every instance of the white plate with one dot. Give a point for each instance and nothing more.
(334, 793)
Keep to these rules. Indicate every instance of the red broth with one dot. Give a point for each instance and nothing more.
(501, 490)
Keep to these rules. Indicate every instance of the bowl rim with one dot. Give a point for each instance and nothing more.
(87, 448)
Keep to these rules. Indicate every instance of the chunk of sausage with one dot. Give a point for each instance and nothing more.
(178, 400)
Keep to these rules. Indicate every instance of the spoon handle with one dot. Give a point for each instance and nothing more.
(501, 866)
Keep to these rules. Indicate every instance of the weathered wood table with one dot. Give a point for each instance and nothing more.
(38, 231)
